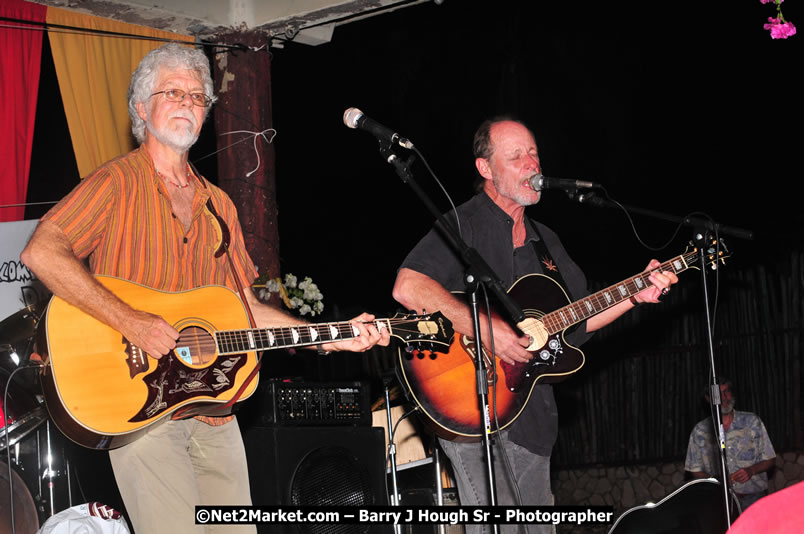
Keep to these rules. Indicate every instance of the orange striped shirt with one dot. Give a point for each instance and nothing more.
(120, 217)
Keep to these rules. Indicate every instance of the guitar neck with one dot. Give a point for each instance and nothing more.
(238, 341)
(580, 310)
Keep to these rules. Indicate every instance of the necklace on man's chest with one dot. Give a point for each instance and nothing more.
(171, 182)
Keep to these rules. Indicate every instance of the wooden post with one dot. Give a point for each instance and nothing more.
(243, 87)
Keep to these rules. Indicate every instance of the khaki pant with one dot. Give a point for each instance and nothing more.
(180, 464)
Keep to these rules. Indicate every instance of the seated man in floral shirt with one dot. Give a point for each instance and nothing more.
(749, 452)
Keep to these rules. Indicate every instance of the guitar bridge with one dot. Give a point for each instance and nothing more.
(136, 358)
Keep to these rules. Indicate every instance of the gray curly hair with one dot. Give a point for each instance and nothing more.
(171, 55)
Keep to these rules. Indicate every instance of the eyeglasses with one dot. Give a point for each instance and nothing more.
(177, 95)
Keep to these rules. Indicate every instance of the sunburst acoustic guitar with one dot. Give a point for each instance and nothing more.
(444, 385)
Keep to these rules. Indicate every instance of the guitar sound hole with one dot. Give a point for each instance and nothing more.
(195, 346)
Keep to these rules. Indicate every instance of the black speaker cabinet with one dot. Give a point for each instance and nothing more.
(309, 466)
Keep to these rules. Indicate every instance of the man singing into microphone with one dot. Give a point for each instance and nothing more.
(494, 223)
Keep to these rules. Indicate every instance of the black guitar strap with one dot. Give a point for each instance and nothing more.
(549, 266)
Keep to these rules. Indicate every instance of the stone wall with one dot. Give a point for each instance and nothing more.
(628, 486)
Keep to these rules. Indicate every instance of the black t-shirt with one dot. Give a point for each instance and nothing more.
(485, 227)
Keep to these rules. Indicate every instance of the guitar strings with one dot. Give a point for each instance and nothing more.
(556, 321)
(284, 336)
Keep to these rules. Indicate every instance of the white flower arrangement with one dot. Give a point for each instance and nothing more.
(303, 297)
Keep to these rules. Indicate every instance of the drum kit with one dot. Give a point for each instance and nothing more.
(34, 471)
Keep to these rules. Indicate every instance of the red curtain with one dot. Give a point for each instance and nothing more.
(20, 55)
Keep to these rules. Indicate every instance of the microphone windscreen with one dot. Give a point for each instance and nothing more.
(351, 116)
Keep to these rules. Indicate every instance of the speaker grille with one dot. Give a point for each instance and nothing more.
(332, 476)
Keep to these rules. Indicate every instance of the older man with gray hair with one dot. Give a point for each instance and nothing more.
(148, 217)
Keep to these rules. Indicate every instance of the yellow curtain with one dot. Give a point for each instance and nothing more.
(94, 72)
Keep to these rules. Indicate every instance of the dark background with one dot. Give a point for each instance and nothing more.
(678, 107)
(686, 108)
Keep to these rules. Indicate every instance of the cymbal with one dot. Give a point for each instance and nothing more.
(20, 325)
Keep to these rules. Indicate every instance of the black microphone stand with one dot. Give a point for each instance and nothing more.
(701, 229)
(478, 272)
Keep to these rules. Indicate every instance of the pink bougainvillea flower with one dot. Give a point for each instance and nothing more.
(779, 29)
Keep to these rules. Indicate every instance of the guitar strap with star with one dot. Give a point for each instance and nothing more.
(549, 266)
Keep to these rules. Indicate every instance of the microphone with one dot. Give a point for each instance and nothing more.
(354, 118)
(539, 182)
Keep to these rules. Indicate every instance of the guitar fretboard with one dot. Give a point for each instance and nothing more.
(238, 341)
(604, 299)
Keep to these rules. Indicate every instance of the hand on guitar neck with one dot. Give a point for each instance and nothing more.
(514, 348)
(156, 337)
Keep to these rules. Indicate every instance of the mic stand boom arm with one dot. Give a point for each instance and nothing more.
(478, 272)
(592, 199)
(700, 228)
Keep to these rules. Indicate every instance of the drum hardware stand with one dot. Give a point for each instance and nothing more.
(8, 421)
(442, 529)
(48, 472)
(391, 444)
(436, 459)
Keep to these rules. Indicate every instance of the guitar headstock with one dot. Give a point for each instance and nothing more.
(715, 253)
(428, 329)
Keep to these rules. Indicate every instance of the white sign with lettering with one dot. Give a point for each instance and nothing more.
(18, 286)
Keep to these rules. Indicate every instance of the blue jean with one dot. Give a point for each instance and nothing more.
(531, 475)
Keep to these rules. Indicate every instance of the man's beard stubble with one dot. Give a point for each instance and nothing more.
(181, 139)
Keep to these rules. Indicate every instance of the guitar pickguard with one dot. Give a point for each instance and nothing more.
(543, 359)
(173, 383)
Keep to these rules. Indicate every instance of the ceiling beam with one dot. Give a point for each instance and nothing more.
(306, 21)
